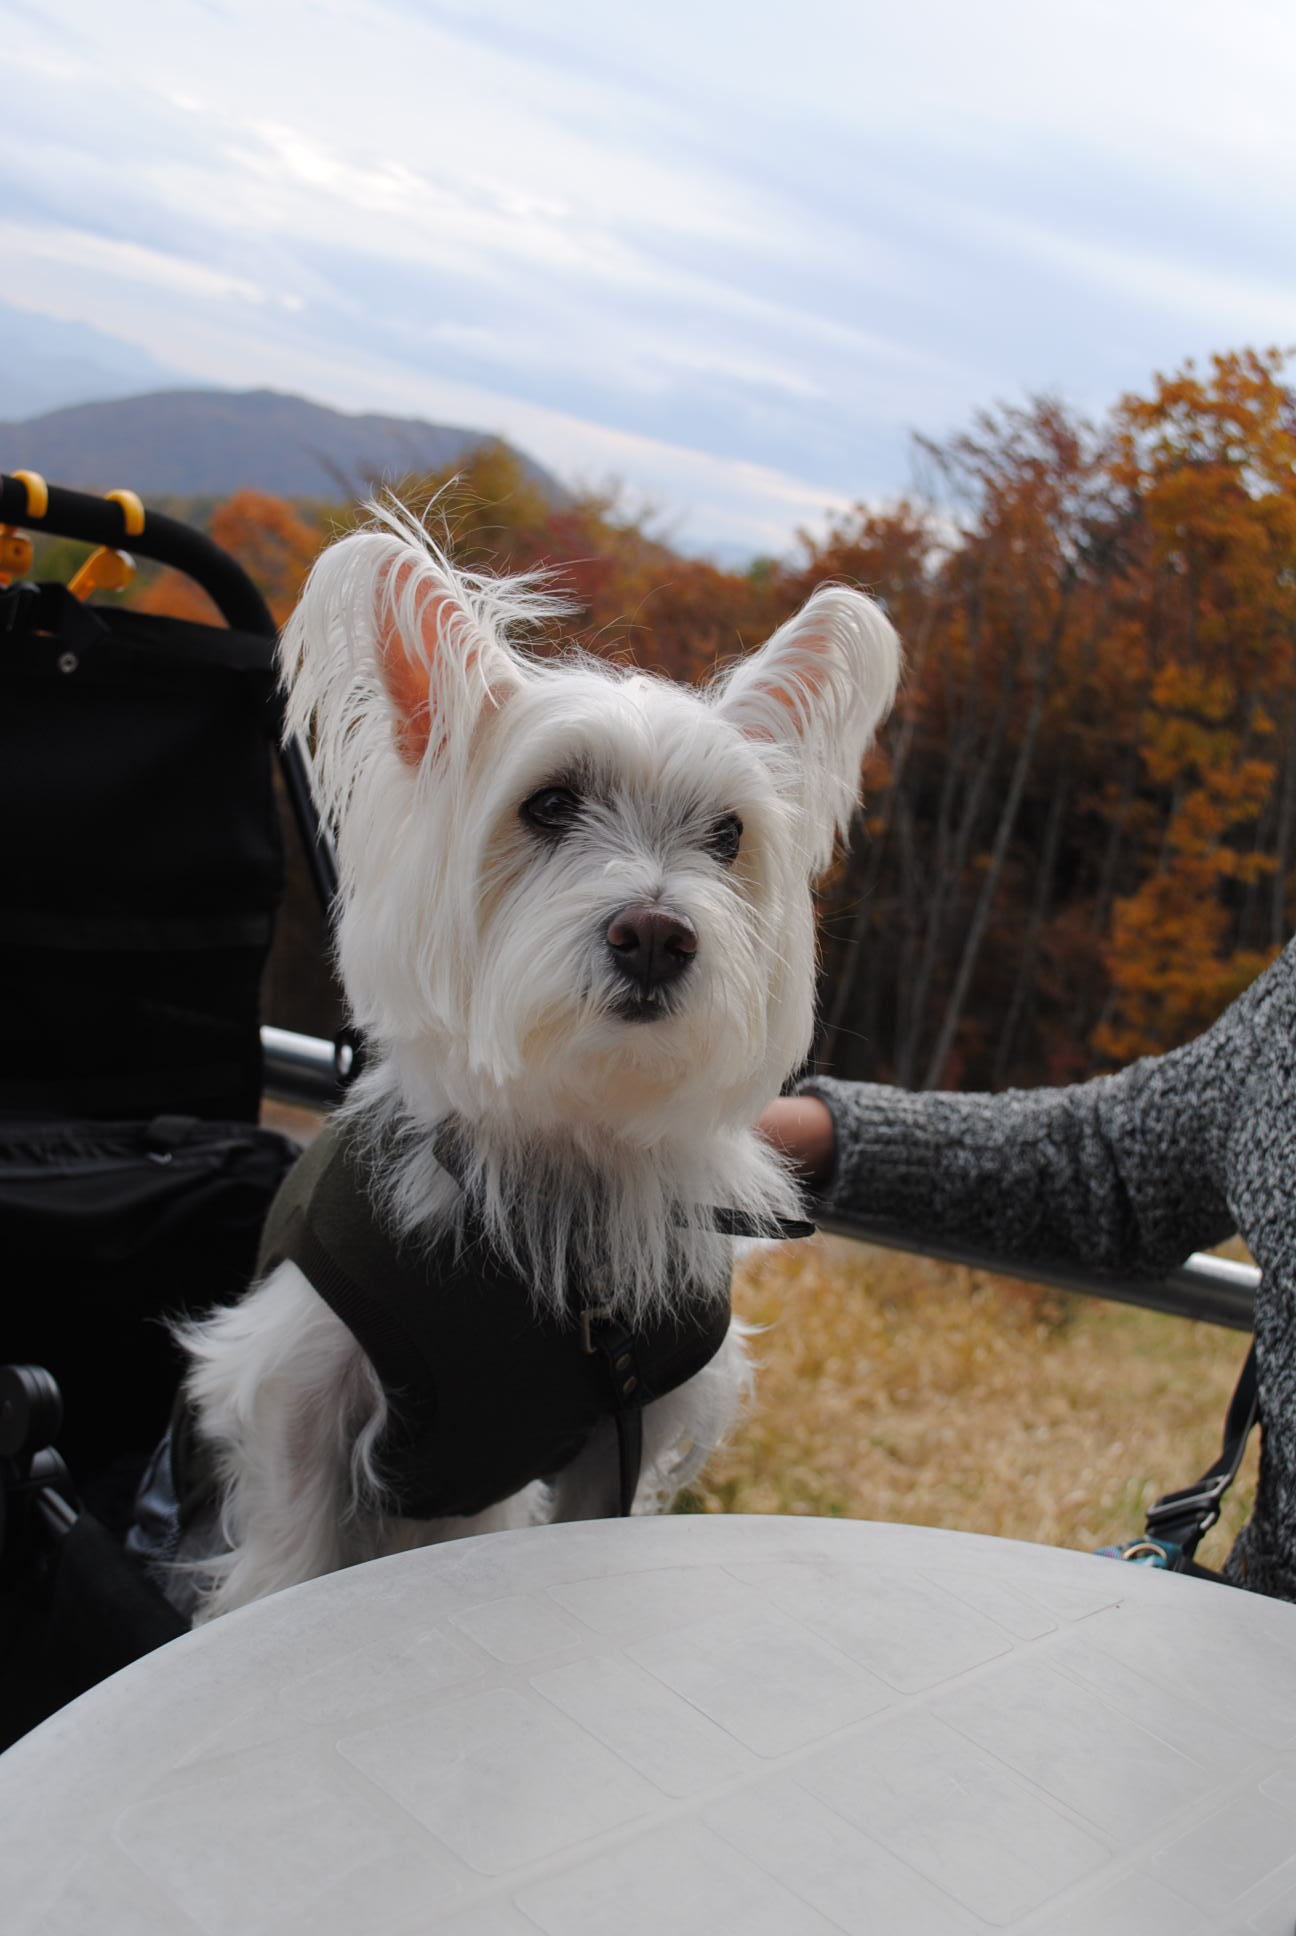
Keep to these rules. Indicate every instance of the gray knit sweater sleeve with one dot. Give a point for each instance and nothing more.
(1128, 1172)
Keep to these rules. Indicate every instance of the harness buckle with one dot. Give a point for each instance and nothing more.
(1161, 1553)
(1199, 1503)
(592, 1314)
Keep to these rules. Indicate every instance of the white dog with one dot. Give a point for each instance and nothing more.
(576, 932)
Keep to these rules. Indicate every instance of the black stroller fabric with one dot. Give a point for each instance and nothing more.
(109, 1229)
(142, 870)
(142, 861)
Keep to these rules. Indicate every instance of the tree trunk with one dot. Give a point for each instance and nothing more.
(946, 885)
(1003, 834)
(870, 860)
(1283, 839)
(1040, 905)
(981, 912)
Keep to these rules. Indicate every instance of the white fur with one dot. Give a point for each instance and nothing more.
(474, 958)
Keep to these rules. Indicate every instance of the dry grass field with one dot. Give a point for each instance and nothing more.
(892, 1387)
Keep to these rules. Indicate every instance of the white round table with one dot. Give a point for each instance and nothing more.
(690, 1727)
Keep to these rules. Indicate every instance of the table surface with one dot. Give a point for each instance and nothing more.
(779, 1727)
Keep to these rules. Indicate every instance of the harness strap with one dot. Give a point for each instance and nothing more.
(1183, 1518)
(737, 1223)
(607, 1337)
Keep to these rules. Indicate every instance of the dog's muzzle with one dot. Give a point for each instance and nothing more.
(651, 948)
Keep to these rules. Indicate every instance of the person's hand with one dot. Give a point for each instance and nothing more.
(801, 1128)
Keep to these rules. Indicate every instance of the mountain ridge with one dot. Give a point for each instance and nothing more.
(201, 442)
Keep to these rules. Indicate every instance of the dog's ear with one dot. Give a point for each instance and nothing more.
(820, 687)
(391, 647)
(439, 659)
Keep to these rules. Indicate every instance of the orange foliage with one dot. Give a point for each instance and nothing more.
(272, 542)
(173, 595)
(1211, 462)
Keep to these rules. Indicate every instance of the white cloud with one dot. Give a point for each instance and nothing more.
(755, 247)
(92, 255)
(1216, 297)
(703, 499)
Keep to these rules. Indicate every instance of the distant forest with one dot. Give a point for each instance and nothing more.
(1077, 838)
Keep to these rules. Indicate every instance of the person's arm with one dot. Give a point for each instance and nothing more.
(1126, 1172)
(1129, 1172)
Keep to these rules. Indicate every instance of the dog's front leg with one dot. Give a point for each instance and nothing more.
(590, 1487)
(684, 1429)
(291, 1411)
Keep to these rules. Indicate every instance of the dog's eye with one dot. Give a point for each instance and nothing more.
(725, 838)
(553, 810)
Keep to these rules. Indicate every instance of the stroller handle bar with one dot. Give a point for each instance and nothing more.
(109, 521)
(28, 502)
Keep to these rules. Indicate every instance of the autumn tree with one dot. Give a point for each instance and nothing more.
(272, 540)
(1210, 462)
(998, 588)
(1083, 843)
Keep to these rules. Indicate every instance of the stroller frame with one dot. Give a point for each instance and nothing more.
(54, 1555)
(29, 504)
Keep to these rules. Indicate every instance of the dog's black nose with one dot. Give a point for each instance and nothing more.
(651, 946)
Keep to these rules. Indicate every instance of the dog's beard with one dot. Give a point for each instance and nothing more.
(644, 1005)
(582, 1219)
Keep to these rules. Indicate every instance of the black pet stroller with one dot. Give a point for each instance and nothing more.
(143, 872)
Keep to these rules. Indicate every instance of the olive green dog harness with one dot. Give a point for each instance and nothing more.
(487, 1390)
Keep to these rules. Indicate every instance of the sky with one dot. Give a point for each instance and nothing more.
(732, 256)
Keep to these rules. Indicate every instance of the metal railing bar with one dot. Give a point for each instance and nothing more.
(299, 1068)
(1208, 1289)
